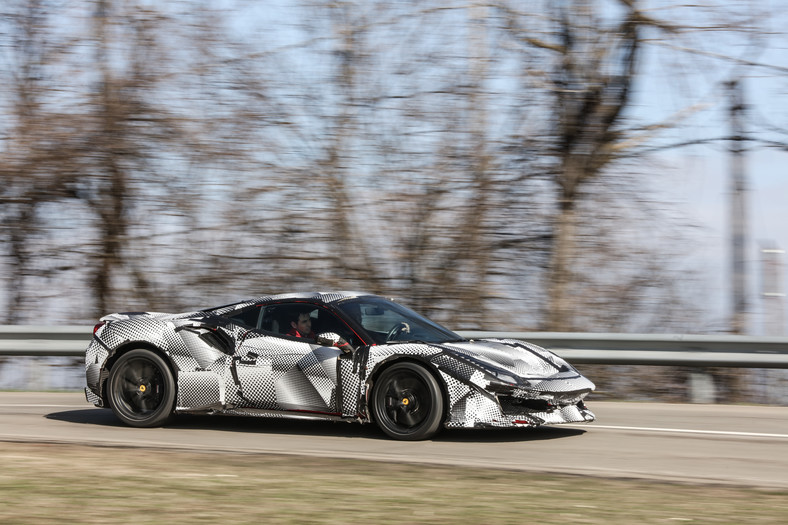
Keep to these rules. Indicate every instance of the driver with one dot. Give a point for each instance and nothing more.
(301, 325)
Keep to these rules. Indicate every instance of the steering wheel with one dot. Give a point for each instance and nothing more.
(396, 330)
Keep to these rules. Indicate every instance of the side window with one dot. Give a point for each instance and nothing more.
(325, 321)
(249, 317)
(276, 318)
(328, 322)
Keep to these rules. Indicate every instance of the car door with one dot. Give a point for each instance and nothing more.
(279, 372)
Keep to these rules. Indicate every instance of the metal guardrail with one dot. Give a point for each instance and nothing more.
(657, 349)
(34, 340)
(577, 348)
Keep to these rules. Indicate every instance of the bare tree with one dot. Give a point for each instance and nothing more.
(592, 68)
(453, 155)
(33, 146)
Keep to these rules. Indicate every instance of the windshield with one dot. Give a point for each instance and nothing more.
(388, 322)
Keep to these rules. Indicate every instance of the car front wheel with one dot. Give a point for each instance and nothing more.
(141, 389)
(407, 402)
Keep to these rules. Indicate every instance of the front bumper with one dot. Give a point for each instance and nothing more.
(93, 398)
(483, 412)
(471, 405)
(577, 413)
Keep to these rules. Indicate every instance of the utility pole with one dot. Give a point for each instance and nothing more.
(738, 210)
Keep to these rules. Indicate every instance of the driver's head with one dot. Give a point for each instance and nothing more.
(302, 322)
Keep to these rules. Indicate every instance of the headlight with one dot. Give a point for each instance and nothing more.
(501, 381)
(507, 378)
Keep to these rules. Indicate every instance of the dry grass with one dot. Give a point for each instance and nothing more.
(75, 484)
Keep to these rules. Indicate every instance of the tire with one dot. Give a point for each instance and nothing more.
(141, 389)
(407, 402)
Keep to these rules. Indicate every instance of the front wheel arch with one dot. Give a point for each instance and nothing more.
(431, 368)
(423, 385)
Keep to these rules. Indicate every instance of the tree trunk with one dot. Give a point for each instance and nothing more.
(559, 301)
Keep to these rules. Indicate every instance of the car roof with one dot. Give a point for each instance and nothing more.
(323, 297)
(318, 297)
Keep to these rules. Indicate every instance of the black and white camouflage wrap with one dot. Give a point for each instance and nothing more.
(222, 367)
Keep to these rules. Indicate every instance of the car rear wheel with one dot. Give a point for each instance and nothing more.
(407, 402)
(141, 389)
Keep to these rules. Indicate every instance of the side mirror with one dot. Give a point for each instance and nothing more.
(334, 339)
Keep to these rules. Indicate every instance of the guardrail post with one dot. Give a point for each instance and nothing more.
(702, 388)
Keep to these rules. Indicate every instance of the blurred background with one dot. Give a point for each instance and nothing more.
(569, 165)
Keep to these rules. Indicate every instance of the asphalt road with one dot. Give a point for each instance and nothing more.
(718, 444)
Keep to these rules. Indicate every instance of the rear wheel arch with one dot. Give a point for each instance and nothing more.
(128, 347)
(141, 388)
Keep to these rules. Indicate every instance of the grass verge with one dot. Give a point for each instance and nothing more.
(79, 484)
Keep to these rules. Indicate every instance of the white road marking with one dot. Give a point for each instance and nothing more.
(684, 431)
(9, 405)
(584, 426)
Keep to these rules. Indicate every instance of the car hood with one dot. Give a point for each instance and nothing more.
(510, 363)
(523, 359)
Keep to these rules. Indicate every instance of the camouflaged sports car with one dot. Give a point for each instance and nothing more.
(336, 356)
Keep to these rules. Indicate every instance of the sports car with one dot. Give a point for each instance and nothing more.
(340, 356)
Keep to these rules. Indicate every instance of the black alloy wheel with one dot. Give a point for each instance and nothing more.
(407, 402)
(141, 389)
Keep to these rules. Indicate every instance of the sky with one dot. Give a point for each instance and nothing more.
(700, 181)
(697, 178)
(703, 193)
